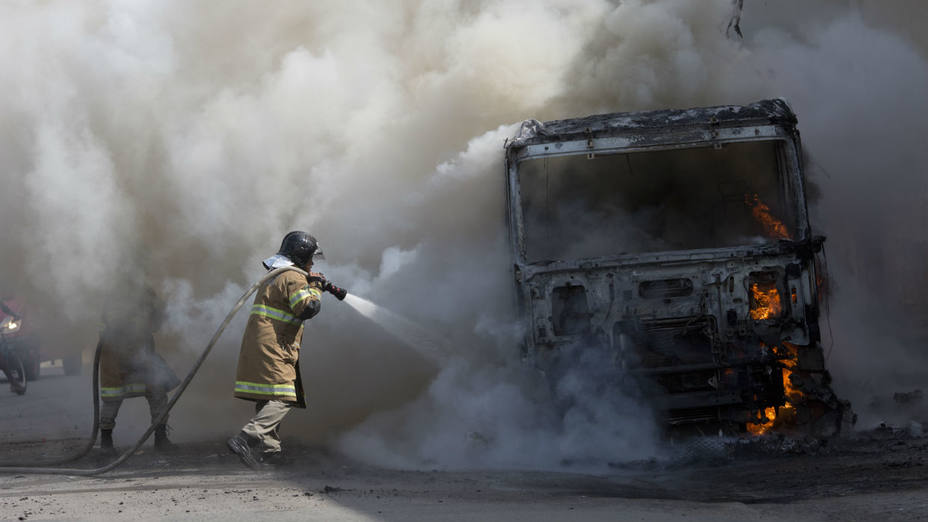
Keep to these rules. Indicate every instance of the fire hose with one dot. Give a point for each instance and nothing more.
(33, 467)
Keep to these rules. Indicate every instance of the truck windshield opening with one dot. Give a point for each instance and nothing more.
(680, 199)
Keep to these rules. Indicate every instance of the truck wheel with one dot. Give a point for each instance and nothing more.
(72, 364)
(32, 364)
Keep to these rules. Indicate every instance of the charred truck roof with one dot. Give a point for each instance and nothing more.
(675, 245)
(651, 126)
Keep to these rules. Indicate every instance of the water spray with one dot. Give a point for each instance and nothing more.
(415, 336)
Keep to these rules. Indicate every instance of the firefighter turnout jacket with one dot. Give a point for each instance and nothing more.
(268, 364)
(129, 366)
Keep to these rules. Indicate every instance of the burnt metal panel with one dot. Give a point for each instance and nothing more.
(764, 112)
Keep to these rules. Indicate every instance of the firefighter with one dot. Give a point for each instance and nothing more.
(269, 361)
(129, 366)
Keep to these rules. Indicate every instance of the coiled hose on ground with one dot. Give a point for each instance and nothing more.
(39, 468)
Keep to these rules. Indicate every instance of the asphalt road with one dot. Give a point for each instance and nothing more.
(54, 407)
(878, 475)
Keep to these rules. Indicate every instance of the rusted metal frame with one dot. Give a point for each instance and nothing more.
(517, 246)
(788, 160)
(669, 370)
(622, 144)
(700, 399)
(792, 153)
(709, 269)
(516, 218)
(664, 259)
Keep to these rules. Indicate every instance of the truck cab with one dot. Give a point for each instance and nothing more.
(678, 243)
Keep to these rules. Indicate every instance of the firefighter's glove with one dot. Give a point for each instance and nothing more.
(316, 280)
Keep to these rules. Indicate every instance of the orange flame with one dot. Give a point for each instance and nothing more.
(765, 424)
(773, 227)
(765, 301)
(793, 395)
(790, 362)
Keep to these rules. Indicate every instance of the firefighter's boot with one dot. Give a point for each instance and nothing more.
(162, 443)
(241, 445)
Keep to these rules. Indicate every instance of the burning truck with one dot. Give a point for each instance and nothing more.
(677, 244)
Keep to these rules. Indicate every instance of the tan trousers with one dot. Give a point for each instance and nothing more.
(157, 402)
(263, 427)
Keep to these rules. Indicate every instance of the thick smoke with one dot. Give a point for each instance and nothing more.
(179, 141)
(856, 78)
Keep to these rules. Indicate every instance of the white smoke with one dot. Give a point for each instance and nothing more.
(186, 138)
(856, 78)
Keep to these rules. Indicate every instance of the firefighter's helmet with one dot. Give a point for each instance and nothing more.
(300, 247)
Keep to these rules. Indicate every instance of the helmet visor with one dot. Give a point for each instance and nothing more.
(318, 255)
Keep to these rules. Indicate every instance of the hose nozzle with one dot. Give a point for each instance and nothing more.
(339, 293)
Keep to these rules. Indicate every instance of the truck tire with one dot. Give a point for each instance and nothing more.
(72, 364)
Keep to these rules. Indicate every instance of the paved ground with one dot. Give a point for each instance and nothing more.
(878, 475)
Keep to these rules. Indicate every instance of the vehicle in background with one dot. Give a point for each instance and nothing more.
(12, 367)
(21, 328)
(19, 337)
(677, 245)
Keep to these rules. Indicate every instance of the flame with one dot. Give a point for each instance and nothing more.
(793, 395)
(790, 362)
(765, 423)
(773, 227)
(765, 301)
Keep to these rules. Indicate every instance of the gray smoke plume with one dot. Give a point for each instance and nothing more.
(182, 140)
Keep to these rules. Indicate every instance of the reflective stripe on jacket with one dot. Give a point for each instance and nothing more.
(122, 392)
(268, 363)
